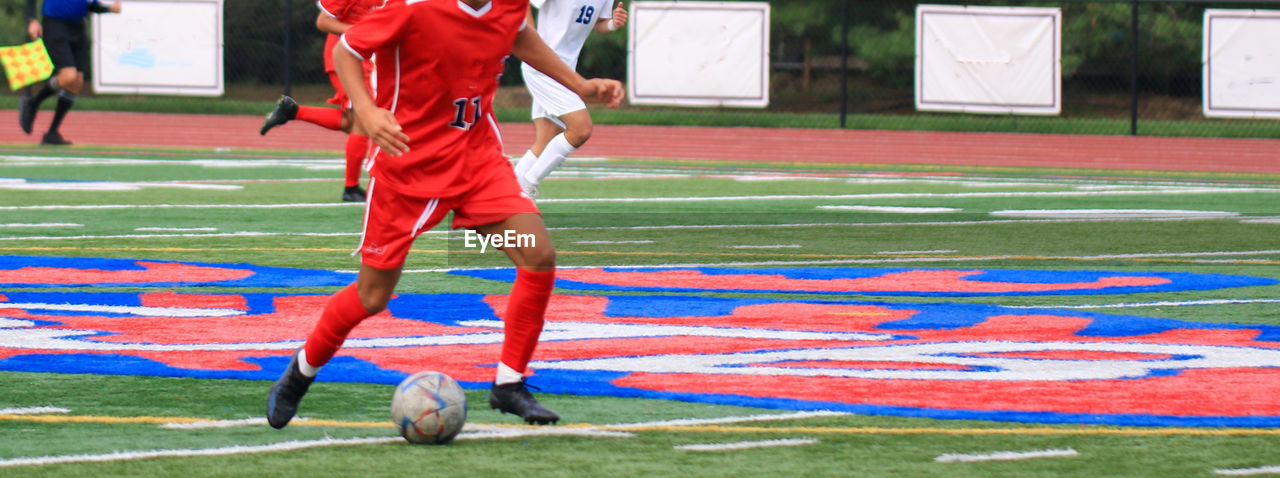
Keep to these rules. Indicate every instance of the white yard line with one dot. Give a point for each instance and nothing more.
(1156, 255)
(887, 260)
(478, 432)
(494, 429)
(1111, 213)
(109, 185)
(746, 445)
(42, 224)
(189, 452)
(1171, 303)
(154, 236)
(33, 410)
(583, 228)
(1004, 456)
(141, 311)
(175, 229)
(484, 432)
(1007, 194)
(692, 422)
(892, 209)
(613, 242)
(1261, 470)
(86, 207)
(209, 424)
(935, 251)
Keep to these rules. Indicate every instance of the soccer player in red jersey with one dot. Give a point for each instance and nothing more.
(439, 151)
(335, 17)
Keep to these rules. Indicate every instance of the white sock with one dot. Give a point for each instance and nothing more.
(305, 367)
(525, 162)
(507, 375)
(523, 165)
(557, 150)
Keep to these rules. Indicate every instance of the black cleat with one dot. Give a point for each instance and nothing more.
(52, 138)
(353, 194)
(26, 114)
(282, 403)
(286, 109)
(514, 398)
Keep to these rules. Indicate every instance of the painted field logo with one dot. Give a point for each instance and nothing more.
(935, 360)
(35, 271)
(882, 281)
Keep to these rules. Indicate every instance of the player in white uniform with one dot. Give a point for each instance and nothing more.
(561, 123)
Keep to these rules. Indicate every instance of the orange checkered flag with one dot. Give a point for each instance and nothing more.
(26, 64)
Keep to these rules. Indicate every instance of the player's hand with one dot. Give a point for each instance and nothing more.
(34, 29)
(115, 7)
(383, 129)
(619, 17)
(603, 90)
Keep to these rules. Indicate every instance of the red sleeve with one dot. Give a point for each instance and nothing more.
(384, 26)
(334, 8)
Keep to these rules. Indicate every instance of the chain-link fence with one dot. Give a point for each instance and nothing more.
(1114, 82)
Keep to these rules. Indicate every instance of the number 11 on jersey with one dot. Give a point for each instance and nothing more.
(460, 116)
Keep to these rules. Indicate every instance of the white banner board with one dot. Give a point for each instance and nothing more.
(699, 53)
(1004, 60)
(1241, 63)
(159, 47)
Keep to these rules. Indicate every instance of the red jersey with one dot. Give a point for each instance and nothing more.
(349, 11)
(345, 11)
(438, 65)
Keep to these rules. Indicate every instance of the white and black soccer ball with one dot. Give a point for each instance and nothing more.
(429, 408)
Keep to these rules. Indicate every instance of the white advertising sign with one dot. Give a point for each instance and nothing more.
(159, 47)
(699, 53)
(1002, 60)
(1241, 63)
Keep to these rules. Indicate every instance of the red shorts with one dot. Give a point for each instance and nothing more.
(392, 221)
(339, 94)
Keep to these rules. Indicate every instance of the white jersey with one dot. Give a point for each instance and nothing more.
(565, 24)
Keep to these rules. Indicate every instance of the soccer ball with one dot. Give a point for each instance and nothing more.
(429, 408)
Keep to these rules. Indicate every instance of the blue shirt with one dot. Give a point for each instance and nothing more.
(69, 10)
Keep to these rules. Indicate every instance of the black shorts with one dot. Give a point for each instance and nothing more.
(67, 44)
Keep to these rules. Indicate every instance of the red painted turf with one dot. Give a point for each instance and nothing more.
(92, 128)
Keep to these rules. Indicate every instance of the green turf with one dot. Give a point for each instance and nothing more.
(321, 237)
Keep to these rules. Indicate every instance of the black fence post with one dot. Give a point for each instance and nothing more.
(288, 47)
(844, 62)
(1133, 72)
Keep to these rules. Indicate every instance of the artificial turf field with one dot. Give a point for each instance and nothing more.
(672, 259)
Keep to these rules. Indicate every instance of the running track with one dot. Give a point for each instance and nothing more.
(92, 128)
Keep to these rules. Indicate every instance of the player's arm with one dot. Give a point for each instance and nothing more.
(33, 22)
(607, 25)
(530, 49)
(98, 7)
(380, 125)
(328, 24)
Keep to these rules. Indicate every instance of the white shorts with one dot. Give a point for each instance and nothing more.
(550, 98)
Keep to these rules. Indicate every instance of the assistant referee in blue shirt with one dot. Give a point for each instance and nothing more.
(63, 30)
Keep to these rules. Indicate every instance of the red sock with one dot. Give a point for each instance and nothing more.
(357, 147)
(327, 117)
(524, 318)
(341, 314)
